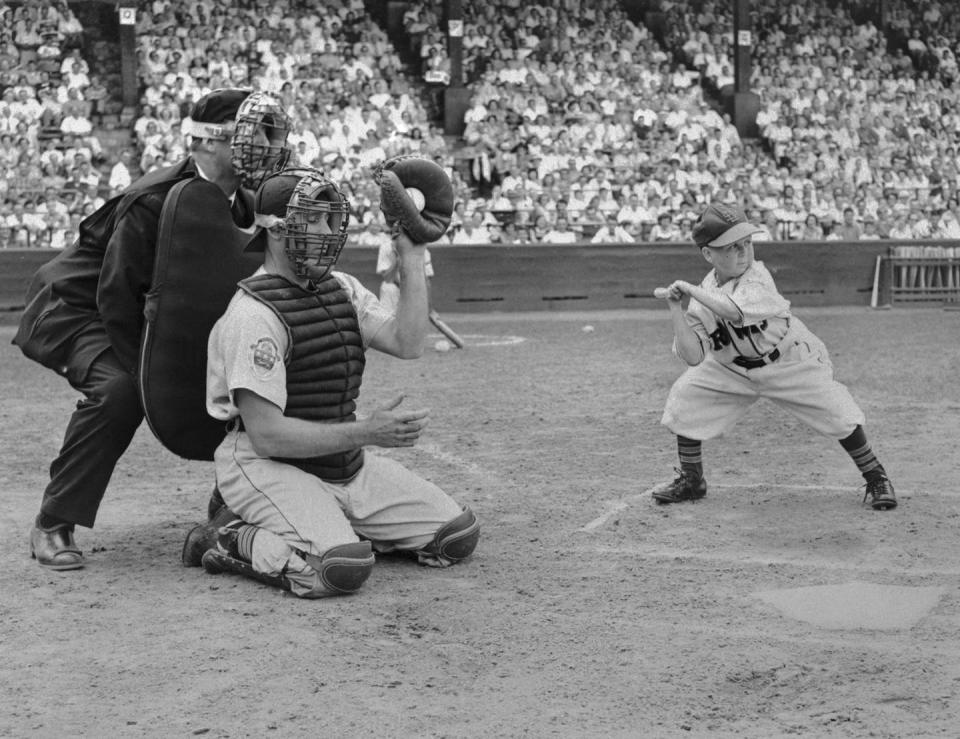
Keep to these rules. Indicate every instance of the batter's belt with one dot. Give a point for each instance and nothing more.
(770, 357)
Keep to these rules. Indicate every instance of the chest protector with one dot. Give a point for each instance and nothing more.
(324, 360)
(200, 258)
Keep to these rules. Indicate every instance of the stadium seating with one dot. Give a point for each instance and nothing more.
(578, 110)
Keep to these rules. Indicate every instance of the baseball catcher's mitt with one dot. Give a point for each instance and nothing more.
(395, 176)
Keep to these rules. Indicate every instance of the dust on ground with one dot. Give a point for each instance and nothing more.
(587, 610)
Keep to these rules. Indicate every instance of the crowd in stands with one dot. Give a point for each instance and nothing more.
(585, 124)
(341, 80)
(860, 119)
(49, 151)
(859, 125)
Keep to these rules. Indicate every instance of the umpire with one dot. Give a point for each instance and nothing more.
(84, 319)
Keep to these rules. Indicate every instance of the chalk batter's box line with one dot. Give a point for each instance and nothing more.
(624, 503)
(805, 562)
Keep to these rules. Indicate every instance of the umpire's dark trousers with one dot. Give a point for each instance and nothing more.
(99, 432)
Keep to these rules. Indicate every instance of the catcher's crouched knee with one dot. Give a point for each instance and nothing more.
(453, 542)
(339, 570)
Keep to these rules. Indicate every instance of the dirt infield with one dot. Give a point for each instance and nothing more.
(587, 610)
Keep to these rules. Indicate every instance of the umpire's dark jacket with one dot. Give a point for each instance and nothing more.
(90, 297)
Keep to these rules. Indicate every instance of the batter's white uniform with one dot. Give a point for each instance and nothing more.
(384, 502)
(709, 398)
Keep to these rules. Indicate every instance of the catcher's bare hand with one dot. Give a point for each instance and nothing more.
(388, 427)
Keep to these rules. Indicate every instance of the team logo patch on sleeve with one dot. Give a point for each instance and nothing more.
(265, 355)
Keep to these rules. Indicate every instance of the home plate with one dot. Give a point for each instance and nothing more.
(855, 605)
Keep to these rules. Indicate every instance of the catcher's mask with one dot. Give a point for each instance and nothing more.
(259, 143)
(311, 214)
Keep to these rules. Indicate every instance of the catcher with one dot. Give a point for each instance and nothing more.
(742, 343)
(305, 506)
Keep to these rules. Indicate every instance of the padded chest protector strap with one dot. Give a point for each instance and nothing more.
(199, 261)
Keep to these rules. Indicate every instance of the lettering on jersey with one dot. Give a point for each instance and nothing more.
(720, 337)
(744, 331)
(265, 355)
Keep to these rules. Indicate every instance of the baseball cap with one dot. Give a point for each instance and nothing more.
(274, 194)
(721, 225)
(271, 199)
(213, 112)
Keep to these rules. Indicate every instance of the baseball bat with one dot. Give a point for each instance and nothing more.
(444, 329)
(874, 294)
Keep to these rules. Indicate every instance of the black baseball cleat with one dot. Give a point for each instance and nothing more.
(880, 492)
(682, 487)
(209, 535)
(215, 503)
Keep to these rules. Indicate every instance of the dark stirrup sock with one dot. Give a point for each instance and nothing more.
(691, 456)
(857, 446)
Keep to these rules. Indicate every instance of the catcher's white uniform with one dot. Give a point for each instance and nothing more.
(385, 502)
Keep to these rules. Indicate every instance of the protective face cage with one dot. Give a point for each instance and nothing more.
(314, 199)
(261, 114)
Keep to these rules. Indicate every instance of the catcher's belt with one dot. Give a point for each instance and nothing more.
(199, 261)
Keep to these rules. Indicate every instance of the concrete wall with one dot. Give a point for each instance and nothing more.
(588, 277)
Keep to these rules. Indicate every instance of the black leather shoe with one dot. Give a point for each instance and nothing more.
(55, 549)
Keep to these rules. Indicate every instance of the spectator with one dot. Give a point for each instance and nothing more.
(538, 229)
(766, 225)
(510, 234)
(847, 229)
(611, 233)
(560, 233)
(812, 230)
(871, 231)
(122, 173)
(472, 232)
(665, 229)
(948, 226)
(901, 228)
(62, 234)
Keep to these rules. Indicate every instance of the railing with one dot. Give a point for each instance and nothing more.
(920, 274)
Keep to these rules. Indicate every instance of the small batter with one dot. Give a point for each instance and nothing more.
(742, 343)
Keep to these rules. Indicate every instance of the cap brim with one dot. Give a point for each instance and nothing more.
(733, 234)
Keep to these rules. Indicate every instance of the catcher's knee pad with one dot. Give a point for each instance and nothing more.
(343, 568)
(456, 539)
